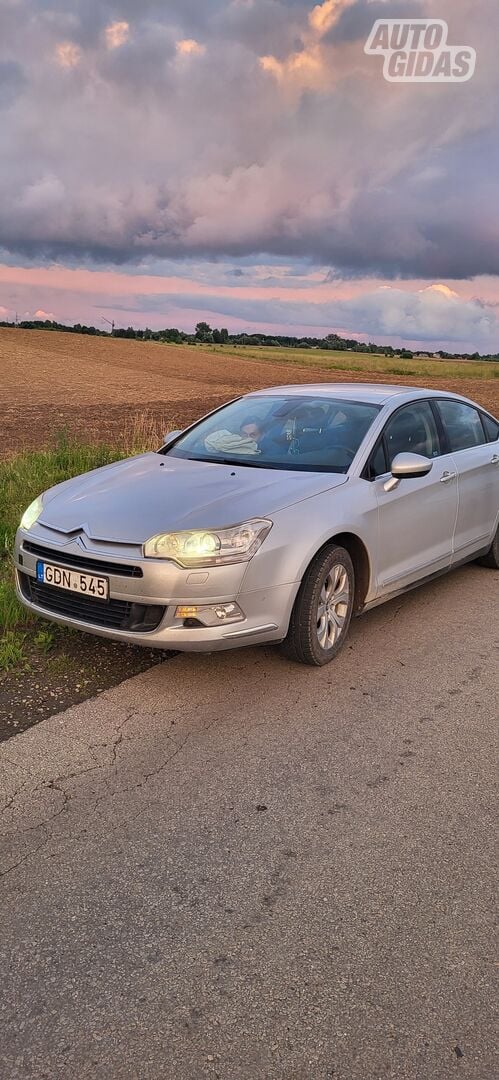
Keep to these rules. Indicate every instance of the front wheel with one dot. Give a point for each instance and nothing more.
(492, 557)
(322, 610)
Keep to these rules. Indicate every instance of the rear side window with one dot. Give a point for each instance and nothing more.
(491, 427)
(462, 423)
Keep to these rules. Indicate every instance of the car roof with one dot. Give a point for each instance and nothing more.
(367, 393)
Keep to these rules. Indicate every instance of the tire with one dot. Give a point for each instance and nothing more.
(320, 619)
(491, 559)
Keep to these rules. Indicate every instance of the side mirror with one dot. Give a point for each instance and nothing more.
(408, 467)
(170, 437)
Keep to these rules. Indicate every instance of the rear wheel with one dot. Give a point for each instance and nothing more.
(492, 557)
(323, 609)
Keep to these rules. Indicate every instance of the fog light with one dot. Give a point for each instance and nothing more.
(210, 614)
(226, 610)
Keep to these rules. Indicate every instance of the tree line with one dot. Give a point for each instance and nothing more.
(207, 335)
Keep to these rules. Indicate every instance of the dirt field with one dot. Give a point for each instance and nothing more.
(90, 387)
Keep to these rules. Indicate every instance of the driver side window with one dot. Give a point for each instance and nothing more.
(412, 430)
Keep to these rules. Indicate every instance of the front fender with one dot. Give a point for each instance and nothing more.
(301, 530)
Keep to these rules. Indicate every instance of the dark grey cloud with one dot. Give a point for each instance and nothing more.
(269, 26)
(119, 155)
(357, 20)
(12, 82)
(128, 69)
(191, 12)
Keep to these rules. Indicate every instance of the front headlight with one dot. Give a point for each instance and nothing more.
(209, 547)
(32, 513)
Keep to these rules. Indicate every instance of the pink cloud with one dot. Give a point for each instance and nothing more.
(263, 297)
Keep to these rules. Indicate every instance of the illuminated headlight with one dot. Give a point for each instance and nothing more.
(32, 513)
(209, 547)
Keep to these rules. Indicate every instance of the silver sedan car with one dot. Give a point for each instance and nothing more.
(276, 518)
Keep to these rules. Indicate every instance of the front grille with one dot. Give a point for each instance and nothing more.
(112, 614)
(66, 558)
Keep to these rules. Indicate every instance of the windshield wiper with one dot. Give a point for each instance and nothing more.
(233, 462)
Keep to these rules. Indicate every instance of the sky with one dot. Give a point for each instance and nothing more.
(245, 162)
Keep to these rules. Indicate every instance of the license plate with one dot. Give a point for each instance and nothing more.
(60, 577)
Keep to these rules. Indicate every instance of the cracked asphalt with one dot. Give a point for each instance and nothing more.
(233, 867)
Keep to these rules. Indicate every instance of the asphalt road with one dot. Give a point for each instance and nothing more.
(233, 867)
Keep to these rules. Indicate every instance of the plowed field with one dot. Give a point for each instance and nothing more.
(92, 387)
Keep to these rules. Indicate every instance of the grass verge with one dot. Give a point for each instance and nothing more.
(22, 478)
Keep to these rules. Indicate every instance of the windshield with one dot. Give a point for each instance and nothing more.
(315, 434)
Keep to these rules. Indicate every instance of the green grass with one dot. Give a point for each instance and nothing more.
(45, 640)
(22, 478)
(362, 362)
(11, 650)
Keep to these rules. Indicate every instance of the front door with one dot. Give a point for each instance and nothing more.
(416, 521)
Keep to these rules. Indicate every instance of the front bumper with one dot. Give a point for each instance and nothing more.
(158, 585)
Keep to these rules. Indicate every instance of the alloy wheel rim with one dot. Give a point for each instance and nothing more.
(332, 608)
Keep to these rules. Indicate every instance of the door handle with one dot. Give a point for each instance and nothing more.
(494, 460)
(446, 477)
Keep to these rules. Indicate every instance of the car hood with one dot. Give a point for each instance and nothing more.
(132, 500)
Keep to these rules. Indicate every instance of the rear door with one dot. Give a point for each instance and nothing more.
(477, 462)
(416, 520)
